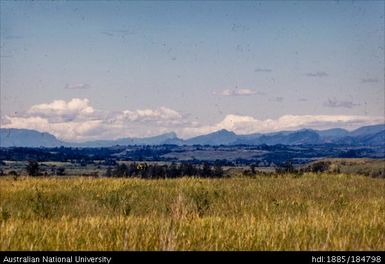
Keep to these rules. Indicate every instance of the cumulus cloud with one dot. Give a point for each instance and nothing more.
(70, 130)
(334, 103)
(161, 115)
(60, 106)
(241, 124)
(62, 111)
(238, 92)
(316, 74)
(77, 120)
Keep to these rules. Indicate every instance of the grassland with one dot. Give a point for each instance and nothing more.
(368, 167)
(290, 212)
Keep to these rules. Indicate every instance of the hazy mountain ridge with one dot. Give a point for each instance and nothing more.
(10, 137)
(368, 135)
(219, 137)
(156, 140)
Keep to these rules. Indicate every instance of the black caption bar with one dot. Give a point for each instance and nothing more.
(114, 257)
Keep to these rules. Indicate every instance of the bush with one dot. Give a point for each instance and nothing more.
(60, 171)
(320, 166)
(33, 168)
(13, 173)
(286, 167)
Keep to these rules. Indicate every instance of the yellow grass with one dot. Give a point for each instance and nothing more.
(311, 212)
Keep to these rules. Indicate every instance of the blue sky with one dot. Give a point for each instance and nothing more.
(146, 68)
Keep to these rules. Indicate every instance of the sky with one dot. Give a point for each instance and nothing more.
(86, 70)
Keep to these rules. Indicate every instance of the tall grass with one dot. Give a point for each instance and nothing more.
(311, 212)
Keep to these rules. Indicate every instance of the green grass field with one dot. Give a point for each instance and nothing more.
(310, 212)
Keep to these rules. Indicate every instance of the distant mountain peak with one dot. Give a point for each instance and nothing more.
(11, 137)
(367, 135)
(224, 132)
(366, 130)
(219, 137)
(169, 135)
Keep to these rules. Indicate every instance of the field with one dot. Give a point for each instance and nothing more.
(280, 212)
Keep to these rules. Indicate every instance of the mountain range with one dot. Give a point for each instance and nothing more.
(368, 135)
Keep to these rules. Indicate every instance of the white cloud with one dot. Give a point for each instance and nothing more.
(77, 120)
(60, 109)
(238, 92)
(162, 113)
(247, 124)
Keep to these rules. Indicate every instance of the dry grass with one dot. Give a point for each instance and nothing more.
(311, 212)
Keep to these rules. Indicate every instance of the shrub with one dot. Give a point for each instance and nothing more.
(320, 166)
(13, 173)
(32, 168)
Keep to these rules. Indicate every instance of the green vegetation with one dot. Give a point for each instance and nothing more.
(276, 212)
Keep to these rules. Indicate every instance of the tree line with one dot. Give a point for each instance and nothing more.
(139, 170)
(157, 171)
